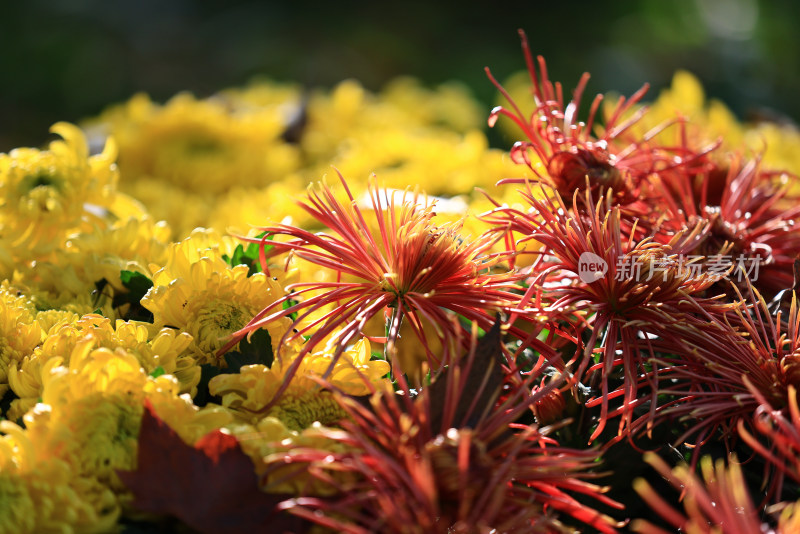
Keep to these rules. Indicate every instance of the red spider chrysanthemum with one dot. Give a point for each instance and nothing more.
(551, 407)
(746, 221)
(615, 287)
(449, 461)
(389, 258)
(779, 430)
(719, 503)
(568, 154)
(722, 370)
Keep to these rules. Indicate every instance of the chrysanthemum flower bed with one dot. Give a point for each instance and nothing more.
(593, 330)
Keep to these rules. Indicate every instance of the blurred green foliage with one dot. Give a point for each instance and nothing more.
(68, 59)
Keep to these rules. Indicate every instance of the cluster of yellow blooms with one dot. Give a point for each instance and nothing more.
(155, 190)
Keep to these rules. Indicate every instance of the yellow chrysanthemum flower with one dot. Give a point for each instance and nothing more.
(201, 144)
(19, 331)
(161, 198)
(91, 410)
(710, 121)
(100, 436)
(450, 104)
(51, 320)
(283, 98)
(241, 209)
(781, 146)
(25, 380)
(200, 243)
(17, 509)
(706, 121)
(132, 244)
(48, 194)
(304, 402)
(203, 147)
(266, 443)
(193, 152)
(199, 293)
(165, 349)
(41, 496)
(360, 133)
(84, 275)
(446, 163)
(70, 297)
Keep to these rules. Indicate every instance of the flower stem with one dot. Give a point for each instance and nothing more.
(392, 330)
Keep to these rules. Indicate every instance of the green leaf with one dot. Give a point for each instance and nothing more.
(5, 402)
(158, 371)
(288, 303)
(135, 282)
(203, 396)
(467, 324)
(257, 350)
(249, 256)
(98, 294)
(137, 285)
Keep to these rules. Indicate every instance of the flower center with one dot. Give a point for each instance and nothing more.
(16, 506)
(570, 170)
(43, 179)
(104, 436)
(299, 413)
(217, 320)
(199, 146)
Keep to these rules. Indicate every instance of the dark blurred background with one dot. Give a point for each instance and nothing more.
(68, 59)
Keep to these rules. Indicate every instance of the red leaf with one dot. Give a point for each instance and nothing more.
(483, 379)
(212, 487)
